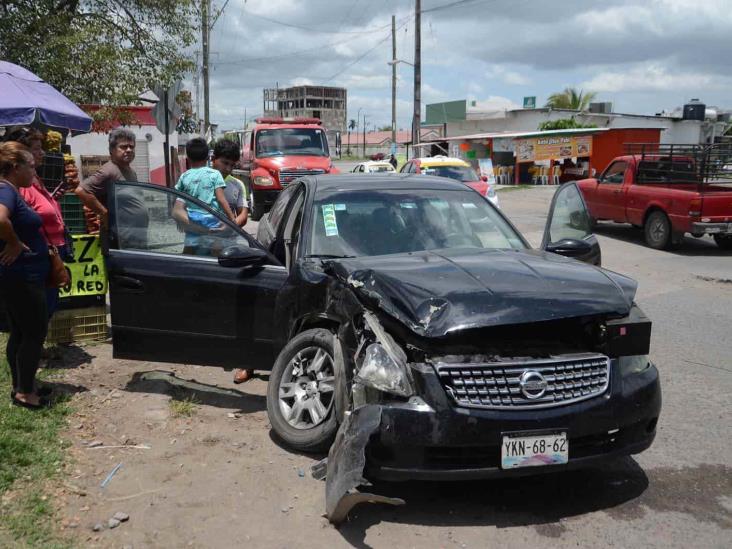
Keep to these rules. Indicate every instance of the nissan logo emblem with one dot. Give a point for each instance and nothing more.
(533, 385)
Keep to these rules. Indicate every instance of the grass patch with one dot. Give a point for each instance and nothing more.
(183, 406)
(31, 454)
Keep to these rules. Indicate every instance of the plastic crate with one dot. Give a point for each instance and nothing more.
(51, 171)
(77, 325)
(72, 211)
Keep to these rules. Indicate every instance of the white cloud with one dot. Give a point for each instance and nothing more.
(654, 77)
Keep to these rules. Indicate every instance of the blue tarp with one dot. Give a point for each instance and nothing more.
(25, 98)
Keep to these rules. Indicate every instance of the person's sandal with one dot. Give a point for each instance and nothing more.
(42, 403)
(44, 391)
(242, 375)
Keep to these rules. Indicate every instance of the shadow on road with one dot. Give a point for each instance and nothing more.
(539, 501)
(161, 382)
(690, 247)
(67, 357)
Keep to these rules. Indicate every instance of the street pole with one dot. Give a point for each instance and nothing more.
(205, 9)
(416, 117)
(393, 82)
(166, 152)
(364, 136)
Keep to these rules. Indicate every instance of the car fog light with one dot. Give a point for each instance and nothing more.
(634, 364)
(381, 372)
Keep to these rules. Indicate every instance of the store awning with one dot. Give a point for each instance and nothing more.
(522, 135)
(25, 98)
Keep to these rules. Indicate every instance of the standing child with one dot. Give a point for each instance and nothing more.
(205, 184)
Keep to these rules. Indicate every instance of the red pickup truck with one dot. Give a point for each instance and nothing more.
(668, 191)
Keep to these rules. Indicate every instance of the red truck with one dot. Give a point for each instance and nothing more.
(669, 191)
(276, 152)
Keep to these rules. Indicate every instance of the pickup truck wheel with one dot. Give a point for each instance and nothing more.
(657, 231)
(723, 241)
(301, 392)
(257, 209)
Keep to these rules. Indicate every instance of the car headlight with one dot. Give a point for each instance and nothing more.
(381, 371)
(263, 181)
(634, 364)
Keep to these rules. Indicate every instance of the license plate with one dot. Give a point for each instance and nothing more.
(534, 450)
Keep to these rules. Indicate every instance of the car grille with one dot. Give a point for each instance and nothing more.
(288, 176)
(498, 384)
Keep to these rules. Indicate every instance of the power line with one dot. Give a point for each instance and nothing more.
(310, 29)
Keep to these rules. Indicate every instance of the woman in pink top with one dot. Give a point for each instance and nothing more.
(47, 207)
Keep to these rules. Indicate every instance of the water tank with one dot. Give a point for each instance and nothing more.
(605, 107)
(694, 110)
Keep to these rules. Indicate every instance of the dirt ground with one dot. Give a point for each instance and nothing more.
(216, 478)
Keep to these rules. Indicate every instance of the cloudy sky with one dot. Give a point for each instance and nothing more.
(643, 55)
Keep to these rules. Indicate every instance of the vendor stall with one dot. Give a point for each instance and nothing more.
(28, 101)
(546, 157)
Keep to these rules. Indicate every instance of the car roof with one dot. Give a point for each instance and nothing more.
(442, 160)
(377, 181)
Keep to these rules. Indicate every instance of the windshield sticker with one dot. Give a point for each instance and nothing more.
(329, 220)
(408, 205)
(340, 207)
(469, 205)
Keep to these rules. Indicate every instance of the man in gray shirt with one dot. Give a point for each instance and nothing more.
(132, 215)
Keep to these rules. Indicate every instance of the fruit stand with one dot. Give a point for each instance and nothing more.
(26, 100)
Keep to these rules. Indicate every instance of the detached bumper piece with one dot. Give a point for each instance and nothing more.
(711, 228)
(346, 462)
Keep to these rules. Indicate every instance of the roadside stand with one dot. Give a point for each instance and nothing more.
(26, 100)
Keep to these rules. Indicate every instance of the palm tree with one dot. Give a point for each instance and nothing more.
(351, 126)
(571, 99)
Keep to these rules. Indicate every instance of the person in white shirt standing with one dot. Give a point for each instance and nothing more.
(225, 156)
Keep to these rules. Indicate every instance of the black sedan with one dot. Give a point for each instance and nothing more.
(408, 311)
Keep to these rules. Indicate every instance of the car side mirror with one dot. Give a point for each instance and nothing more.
(238, 256)
(570, 247)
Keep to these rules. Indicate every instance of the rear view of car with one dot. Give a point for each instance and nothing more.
(454, 168)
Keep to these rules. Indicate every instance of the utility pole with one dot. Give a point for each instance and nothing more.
(416, 117)
(364, 136)
(205, 12)
(197, 110)
(393, 82)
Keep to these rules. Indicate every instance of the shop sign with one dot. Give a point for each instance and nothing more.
(503, 144)
(86, 271)
(553, 148)
(485, 165)
(530, 102)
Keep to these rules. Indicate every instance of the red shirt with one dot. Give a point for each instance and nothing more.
(38, 198)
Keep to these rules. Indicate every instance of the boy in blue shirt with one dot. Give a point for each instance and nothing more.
(205, 184)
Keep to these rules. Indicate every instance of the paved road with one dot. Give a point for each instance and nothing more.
(218, 479)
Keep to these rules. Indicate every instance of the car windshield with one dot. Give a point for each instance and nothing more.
(461, 173)
(291, 141)
(380, 222)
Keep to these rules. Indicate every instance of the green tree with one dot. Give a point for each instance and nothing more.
(99, 51)
(351, 126)
(571, 99)
(563, 124)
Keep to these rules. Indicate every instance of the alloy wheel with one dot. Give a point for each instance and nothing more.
(306, 391)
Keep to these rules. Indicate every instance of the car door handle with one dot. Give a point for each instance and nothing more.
(129, 283)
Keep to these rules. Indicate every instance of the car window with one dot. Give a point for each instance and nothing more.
(569, 215)
(460, 173)
(378, 222)
(279, 207)
(407, 168)
(615, 173)
(158, 220)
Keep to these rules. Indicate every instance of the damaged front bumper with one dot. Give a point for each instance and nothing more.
(430, 438)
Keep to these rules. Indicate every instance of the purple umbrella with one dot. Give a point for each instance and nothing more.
(25, 98)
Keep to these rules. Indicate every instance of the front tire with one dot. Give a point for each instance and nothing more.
(301, 392)
(723, 241)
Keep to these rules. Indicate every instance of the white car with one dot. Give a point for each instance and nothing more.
(374, 166)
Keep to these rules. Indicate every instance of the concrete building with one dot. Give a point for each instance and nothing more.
(329, 104)
(466, 118)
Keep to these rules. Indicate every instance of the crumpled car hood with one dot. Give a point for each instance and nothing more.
(438, 292)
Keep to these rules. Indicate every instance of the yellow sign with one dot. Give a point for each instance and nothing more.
(86, 271)
(553, 148)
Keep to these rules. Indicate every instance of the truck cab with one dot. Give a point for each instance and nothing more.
(276, 152)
